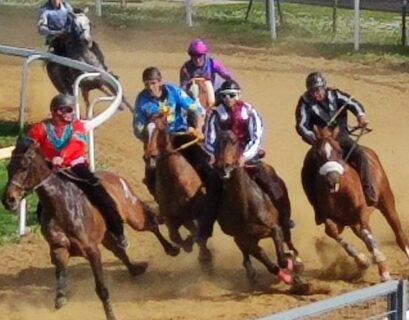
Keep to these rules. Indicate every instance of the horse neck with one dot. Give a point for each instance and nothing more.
(60, 197)
(236, 187)
(164, 143)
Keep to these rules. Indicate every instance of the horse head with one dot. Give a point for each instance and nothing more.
(329, 157)
(26, 170)
(155, 139)
(80, 27)
(227, 152)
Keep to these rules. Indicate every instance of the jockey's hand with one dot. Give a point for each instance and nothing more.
(57, 161)
(197, 133)
(362, 122)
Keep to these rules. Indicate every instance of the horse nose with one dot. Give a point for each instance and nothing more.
(9, 202)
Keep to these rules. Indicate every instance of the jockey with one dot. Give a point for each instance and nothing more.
(243, 119)
(53, 23)
(62, 142)
(200, 65)
(317, 106)
(174, 102)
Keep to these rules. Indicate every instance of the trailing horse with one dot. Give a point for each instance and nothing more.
(248, 214)
(203, 90)
(70, 224)
(341, 202)
(78, 44)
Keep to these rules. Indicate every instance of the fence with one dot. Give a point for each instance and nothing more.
(385, 301)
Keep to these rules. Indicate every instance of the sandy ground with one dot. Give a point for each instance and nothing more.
(175, 288)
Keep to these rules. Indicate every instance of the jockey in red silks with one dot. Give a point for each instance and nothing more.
(201, 65)
(62, 142)
(234, 114)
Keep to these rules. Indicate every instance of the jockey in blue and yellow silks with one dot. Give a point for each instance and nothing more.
(167, 98)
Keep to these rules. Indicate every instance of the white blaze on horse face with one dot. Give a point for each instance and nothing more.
(328, 149)
(150, 127)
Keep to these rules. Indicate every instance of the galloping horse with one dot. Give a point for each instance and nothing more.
(247, 213)
(178, 188)
(70, 224)
(78, 44)
(203, 90)
(340, 199)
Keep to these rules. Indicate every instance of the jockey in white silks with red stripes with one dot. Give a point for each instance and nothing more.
(243, 119)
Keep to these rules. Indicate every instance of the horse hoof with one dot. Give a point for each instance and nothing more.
(173, 251)
(379, 257)
(60, 301)
(138, 269)
(298, 265)
(385, 276)
(362, 261)
(188, 244)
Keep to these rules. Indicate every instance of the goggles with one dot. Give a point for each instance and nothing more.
(229, 95)
(65, 109)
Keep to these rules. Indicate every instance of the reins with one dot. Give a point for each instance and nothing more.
(363, 131)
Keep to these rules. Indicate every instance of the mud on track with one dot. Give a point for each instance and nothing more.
(175, 288)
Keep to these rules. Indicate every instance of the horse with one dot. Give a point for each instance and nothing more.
(178, 189)
(248, 214)
(341, 201)
(70, 224)
(78, 44)
(202, 89)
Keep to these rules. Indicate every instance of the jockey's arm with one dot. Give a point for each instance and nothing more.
(303, 123)
(187, 103)
(210, 134)
(42, 23)
(350, 103)
(221, 70)
(255, 128)
(76, 148)
(139, 118)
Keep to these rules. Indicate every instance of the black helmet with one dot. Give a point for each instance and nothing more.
(229, 86)
(151, 73)
(62, 100)
(315, 80)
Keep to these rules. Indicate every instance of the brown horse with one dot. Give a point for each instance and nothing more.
(70, 224)
(340, 199)
(203, 90)
(248, 214)
(178, 188)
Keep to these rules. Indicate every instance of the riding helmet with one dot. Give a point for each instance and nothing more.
(229, 86)
(62, 100)
(197, 47)
(151, 73)
(315, 80)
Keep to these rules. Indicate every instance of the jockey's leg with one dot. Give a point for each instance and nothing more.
(308, 174)
(360, 161)
(266, 180)
(101, 199)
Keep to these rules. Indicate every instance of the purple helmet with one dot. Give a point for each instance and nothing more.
(197, 47)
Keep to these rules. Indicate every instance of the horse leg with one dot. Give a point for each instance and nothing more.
(170, 249)
(387, 206)
(175, 237)
(205, 256)
(378, 256)
(59, 257)
(333, 231)
(134, 268)
(257, 252)
(124, 104)
(250, 272)
(94, 258)
(85, 95)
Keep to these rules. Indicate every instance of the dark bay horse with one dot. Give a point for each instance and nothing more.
(70, 224)
(248, 214)
(178, 188)
(78, 44)
(341, 201)
(203, 90)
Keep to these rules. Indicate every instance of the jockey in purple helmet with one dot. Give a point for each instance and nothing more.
(200, 65)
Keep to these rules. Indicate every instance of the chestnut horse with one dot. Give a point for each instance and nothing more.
(248, 214)
(70, 224)
(178, 189)
(203, 90)
(341, 201)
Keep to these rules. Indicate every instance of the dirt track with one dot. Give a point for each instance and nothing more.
(175, 288)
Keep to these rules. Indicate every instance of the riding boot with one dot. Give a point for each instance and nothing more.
(360, 162)
(266, 179)
(308, 173)
(208, 215)
(100, 198)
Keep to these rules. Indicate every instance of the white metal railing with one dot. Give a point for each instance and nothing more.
(90, 124)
